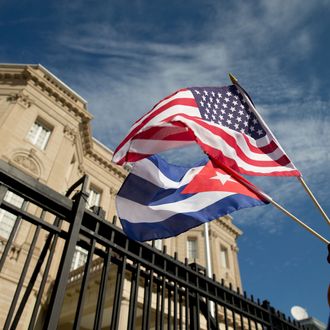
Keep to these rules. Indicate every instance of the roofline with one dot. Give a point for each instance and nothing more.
(42, 68)
(102, 145)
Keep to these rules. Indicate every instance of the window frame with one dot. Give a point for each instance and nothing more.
(78, 252)
(224, 257)
(42, 126)
(94, 190)
(5, 215)
(194, 251)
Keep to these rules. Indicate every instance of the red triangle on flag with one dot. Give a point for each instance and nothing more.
(212, 178)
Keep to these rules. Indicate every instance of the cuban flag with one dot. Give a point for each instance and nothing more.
(159, 200)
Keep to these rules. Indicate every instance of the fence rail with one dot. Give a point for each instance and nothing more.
(123, 284)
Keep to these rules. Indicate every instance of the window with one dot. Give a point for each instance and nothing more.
(94, 197)
(39, 134)
(224, 261)
(8, 219)
(192, 248)
(79, 257)
(158, 244)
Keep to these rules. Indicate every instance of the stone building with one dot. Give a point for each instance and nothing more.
(45, 130)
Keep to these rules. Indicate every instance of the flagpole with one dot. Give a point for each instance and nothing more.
(209, 272)
(309, 192)
(207, 250)
(281, 208)
(301, 180)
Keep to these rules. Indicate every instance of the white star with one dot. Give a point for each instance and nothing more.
(201, 103)
(219, 95)
(206, 93)
(223, 178)
(254, 121)
(213, 94)
(228, 93)
(235, 102)
(252, 128)
(211, 99)
(239, 119)
(216, 106)
(224, 105)
(259, 131)
(232, 109)
(230, 115)
(196, 91)
(228, 121)
(204, 98)
(236, 126)
(241, 112)
(226, 99)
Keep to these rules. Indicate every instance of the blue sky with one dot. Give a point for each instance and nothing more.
(124, 56)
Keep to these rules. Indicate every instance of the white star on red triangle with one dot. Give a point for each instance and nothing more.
(223, 178)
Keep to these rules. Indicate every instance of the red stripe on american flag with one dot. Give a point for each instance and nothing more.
(166, 133)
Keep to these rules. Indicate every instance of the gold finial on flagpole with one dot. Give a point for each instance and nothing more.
(233, 78)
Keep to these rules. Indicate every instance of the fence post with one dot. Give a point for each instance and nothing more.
(56, 300)
(270, 312)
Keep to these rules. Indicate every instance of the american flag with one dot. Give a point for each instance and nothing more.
(220, 119)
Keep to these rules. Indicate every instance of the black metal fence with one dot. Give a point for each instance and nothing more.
(122, 285)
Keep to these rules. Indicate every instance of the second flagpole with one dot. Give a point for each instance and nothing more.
(209, 271)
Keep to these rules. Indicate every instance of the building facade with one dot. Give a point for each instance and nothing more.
(45, 131)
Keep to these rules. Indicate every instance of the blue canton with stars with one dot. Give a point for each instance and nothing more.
(226, 106)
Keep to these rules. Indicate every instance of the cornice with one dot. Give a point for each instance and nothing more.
(226, 224)
(106, 164)
(49, 85)
(24, 100)
(58, 94)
